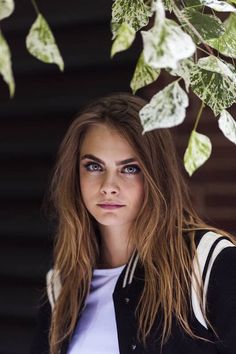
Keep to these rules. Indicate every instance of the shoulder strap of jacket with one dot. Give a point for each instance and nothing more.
(209, 247)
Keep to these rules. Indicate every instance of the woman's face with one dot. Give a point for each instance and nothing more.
(104, 179)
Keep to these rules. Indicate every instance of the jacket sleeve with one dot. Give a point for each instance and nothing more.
(221, 300)
(40, 344)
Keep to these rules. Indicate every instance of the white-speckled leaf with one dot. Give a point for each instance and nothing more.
(143, 75)
(217, 5)
(134, 12)
(226, 44)
(183, 70)
(166, 109)
(41, 43)
(214, 82)
(6, 8)
(159, 19)
(164, 48)
(197, 153)
(227, 125)
(6, 65)
(124, 38)
(207, 25)
(168, 5)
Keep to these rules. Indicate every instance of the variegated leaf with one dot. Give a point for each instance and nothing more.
(228, 126)
(197, 153)
(6, 65)
(143, 75)
(134, 12)
(226, 44)
(217, 5)
(166, 109)
(207, 25)
(6, 8)
(168, 5)
(193, 3)
(159, 9)
(40, 42)
(163, 49)
(183, 70)
(214, 82)
(124, 38)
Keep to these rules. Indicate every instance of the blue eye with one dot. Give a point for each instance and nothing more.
(132, 169)
(88, 165)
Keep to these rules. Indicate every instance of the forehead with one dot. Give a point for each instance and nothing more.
(103, 138)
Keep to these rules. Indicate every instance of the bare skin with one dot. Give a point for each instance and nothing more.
(120, 184)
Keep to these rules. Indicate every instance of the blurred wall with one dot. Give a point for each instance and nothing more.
(32, 125)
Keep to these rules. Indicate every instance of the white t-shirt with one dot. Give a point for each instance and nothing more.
(96, 331)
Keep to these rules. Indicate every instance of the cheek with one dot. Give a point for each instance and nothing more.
(137, 189)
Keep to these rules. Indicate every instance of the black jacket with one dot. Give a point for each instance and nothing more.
(221, 311)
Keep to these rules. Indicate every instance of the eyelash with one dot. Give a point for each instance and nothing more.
(94, 163)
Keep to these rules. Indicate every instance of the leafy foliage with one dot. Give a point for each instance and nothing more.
(166, 109)
(214, 82)
(172, 44)
(5, 65)
(143, 74)
(226, 44)
(6, 8)
(124, 38)
(40, 42)
(228, 126)
(133, 12)
(197, 153)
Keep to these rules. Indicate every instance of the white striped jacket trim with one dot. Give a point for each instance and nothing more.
(201, 255)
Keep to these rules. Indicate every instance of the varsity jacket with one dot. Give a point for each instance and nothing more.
(216, 256)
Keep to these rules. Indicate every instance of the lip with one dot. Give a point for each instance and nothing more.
(110, 206)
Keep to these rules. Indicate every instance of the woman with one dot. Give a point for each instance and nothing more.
(135, 268)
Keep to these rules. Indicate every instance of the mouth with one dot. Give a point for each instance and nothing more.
(110, 206)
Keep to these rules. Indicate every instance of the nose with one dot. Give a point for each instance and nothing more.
(109, 185)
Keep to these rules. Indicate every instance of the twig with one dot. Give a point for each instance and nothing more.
(198, 116)
(35, 7)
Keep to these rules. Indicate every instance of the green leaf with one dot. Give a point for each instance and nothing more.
(207, 25)
(226, 44)
(166, 109)
(193, 3)
(164, 47)
(217, 5)
(228, 126)
(197, 153)
(168, 5)
(6, 8)
(133, 12)
(124, 38)
(183, 70)
(214, 82)
(40, 42)
(143, 75)
(6, 65)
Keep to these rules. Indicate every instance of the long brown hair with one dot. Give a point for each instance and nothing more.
(157, 233)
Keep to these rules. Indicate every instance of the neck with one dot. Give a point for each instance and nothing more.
(115, 250)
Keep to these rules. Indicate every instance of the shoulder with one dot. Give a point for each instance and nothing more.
(211, 247)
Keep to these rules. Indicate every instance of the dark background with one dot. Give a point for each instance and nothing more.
(32, 125)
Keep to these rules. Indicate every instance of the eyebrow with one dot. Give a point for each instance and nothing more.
(118, 163)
